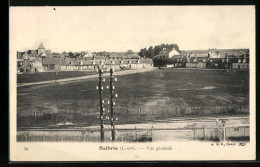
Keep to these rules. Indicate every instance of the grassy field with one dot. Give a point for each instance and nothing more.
(158, 94)
(45, 76)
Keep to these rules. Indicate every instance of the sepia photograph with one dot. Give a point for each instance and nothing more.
(148, 80)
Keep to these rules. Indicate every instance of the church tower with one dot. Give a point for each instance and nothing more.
(41, 49)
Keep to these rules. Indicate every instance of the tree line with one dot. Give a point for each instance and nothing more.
(151, 52)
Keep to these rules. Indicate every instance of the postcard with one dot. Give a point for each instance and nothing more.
(132, 83)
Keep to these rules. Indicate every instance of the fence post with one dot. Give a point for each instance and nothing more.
(204, 132)
(135, 134)
(83, 135)
(194, 132)
(152, 132)
(224, 133)
(27, 135)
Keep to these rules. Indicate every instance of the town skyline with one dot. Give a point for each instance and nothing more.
(122, 28)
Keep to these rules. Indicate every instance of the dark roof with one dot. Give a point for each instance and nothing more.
(70, 61)
(242, 60)
(200, 59)
(146, 61)
(165, 51)
(48, 52)
(216, 60)
(88, 62)
(175, 57)
(41, 46)
(233, 60)
(51, 61)
(33, 53)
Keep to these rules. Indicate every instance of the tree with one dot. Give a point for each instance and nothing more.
(129, 52)
(154, 51)
(158, 49)
(150, 53)
(143, 52)
(71, 55)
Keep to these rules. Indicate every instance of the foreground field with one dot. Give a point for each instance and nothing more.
(45, 76)
(157, 94)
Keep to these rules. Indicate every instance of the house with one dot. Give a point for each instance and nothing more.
(26, 66)
(70, 64)
(213, 53)
(215, 63)
(32, 53)
(36, 65)
(196, 62)
(241, 64)
(19, 55)
(202, 62)
(50, 64)
(87, 54)
(229, 61)
(25, 56)
(145, 63)
(20, 64)
(167, 54)
(195, 53)
(180, 62)
(190, 62)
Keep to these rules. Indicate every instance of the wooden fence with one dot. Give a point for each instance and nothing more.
(138, 135)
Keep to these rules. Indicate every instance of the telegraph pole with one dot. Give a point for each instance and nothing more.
(112, 105)
(100, 88)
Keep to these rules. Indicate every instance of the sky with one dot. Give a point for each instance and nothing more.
(136, 27)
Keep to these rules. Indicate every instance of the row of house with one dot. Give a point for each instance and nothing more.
(212, 58)
(40, 60)
(71, 64)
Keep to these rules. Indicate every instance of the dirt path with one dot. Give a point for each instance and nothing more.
(117, 73)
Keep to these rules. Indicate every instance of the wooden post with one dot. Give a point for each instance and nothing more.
(112, 106)
(135, 134)
(27, 136)
(194, 132)
(224, 133)
(101, 106)
(152, 132)
(204, 132)
(83, 135)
